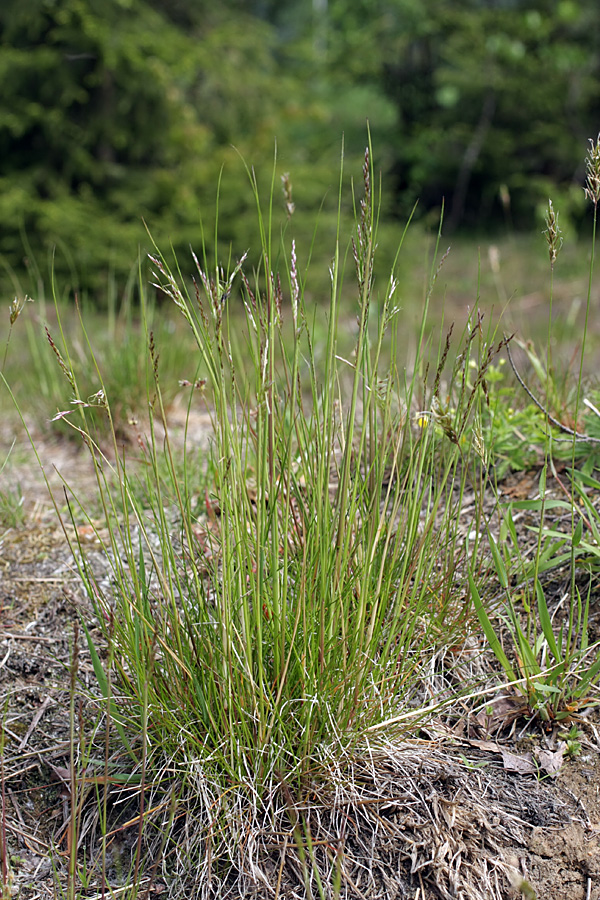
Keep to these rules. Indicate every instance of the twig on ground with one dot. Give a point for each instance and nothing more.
(34, 723)
(27, 637)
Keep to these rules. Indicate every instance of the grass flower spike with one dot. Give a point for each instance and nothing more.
(553, 233)
(592, 168)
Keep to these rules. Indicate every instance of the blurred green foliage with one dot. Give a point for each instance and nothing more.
(116, 113)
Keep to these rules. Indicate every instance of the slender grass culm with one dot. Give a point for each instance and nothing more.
(5, 867)
(259, 644)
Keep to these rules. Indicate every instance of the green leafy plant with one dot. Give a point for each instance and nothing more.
(554, 673)
(555, 670)
(572, 737)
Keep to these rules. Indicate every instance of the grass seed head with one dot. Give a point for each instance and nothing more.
(286, 186)
(553, 233)
(64, 367)
(592, 169)
(16, 308)
(295, 285)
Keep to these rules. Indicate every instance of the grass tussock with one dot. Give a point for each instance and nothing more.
(268, 642)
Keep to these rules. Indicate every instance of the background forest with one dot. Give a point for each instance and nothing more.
(116, 113)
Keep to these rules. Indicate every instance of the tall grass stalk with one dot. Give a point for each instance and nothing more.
(5, 868)
(592, 192)
(73, 827)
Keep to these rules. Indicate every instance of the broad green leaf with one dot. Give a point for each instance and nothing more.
(545, 620)
(511, 526)
(585, 479)
(499, 563)
(535, 505)
(588, 678)
(528, 657)
(488, 630)
(542, 482)
(544, 688)
(584, 625)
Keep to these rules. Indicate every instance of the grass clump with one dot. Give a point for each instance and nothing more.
(256, 642)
